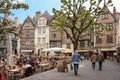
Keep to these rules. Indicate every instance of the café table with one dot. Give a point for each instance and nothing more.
(43, 66)
(14, 72)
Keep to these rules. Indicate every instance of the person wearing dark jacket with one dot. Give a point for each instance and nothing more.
(100, 60)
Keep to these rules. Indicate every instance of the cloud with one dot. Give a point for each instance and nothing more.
(21, 1)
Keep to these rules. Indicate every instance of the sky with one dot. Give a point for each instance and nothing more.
(45, 5)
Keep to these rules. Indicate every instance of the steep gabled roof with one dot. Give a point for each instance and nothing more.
(107, 11)
(29, 19)
(47, 16)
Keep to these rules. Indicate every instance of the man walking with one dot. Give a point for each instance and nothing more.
(100, 60)
(76, 60)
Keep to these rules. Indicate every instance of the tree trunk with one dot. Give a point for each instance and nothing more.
(75, 46)
(9, 45)
(9, 49)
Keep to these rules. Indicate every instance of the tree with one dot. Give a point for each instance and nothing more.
(75, 18)
(6, 25)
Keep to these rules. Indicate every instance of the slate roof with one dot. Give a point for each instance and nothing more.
(47, 16)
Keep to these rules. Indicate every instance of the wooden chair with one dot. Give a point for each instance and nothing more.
(3, 68)
(18, 75)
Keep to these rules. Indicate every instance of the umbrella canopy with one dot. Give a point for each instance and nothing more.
(54, 49)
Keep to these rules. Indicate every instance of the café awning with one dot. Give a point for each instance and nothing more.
(83, 50)
(26, 50)
(54, 49)
(67, 51)
(108, 49)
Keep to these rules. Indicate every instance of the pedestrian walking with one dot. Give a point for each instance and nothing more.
(93, 60)
(118, 55)
(100, 60)
(76, 60)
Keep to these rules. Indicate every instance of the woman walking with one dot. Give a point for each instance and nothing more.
(93, 60)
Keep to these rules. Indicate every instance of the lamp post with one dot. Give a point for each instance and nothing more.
(90, 34)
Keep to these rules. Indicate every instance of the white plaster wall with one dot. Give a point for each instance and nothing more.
(41, 35)
(118, 30)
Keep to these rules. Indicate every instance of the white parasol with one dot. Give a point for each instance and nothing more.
(54, 49)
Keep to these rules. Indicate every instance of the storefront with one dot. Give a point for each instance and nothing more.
(108, 52)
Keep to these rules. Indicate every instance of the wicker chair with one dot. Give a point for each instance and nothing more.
(7, 74)
(22, 73)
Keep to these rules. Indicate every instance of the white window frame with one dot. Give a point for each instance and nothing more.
(27, 42)
(42, 22)
(43, 40)
(39, 40)
(43, 29)
(39, 30)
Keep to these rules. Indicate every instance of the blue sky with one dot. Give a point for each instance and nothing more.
(45, 5)
(35, 5)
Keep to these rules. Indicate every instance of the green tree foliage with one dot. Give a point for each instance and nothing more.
(6, 6)
(77, 17)
(7, 26)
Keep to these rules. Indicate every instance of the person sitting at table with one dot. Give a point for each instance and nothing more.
(28, 60)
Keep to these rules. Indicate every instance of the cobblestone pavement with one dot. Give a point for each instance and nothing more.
(111, 71)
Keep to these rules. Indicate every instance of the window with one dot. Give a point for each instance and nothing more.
(109, 39)
(105, 16)
(109, 26)
(27, 32)
(118, 39)
(28, 24)
(43, 40)
(98, 28)
(68, 45)
(54, 34)
(42, 22)
(39, 30)
(98, 39)
(88, 43)
(44, 30)
(82, 43)
(0, 41)
(39, 40)
(54, 44)
(27, 42)
(67, 36)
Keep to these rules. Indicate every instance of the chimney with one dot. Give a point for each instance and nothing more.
(38, 14)
(114, 11)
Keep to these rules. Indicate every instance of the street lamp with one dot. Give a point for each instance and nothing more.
(91, 39)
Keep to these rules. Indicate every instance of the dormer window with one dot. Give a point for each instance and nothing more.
(42, 22)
